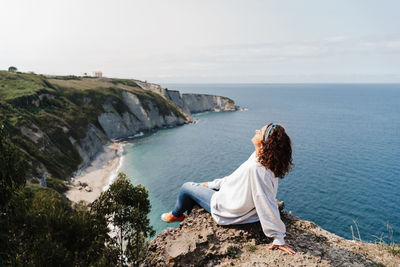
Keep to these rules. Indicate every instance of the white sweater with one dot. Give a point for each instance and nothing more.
(249, 195)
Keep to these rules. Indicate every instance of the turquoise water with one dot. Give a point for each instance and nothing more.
(346, 150)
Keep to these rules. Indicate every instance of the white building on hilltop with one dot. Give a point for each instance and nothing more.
(98, 74)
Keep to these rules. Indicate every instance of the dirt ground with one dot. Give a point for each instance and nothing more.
(199, 241)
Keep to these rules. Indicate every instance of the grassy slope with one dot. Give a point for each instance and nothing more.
(62, 106)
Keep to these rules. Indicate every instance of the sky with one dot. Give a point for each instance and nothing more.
(205, 41)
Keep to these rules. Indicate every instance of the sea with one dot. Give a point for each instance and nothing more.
(346, 152)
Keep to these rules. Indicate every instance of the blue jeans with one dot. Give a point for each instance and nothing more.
(191, 194)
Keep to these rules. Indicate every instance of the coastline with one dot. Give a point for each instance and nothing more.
(97, 177)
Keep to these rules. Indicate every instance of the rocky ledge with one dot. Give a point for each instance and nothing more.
(199, 241)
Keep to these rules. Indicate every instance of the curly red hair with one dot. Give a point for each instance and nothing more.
(276, 152)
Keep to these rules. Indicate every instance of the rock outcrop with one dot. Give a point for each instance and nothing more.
(136, 118)
(89, 146)
(199, 241)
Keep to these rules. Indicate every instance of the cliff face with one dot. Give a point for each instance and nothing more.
(199, 241)
(192, 103)
(200, 103)
(62, 123)
(89, 146)
(135, 119)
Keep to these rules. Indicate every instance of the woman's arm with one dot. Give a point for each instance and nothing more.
(216, 184)
(268, 212)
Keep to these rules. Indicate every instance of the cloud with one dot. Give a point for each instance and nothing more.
(349, 57)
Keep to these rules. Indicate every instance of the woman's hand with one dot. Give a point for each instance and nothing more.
(205, 184)
(287, 248)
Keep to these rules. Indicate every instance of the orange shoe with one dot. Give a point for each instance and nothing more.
(169, 217)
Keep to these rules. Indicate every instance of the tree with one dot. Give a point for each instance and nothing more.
(12, 178)
(12, 69)
(38, 227)
(126, 207)
(12, 171)
(45, 231)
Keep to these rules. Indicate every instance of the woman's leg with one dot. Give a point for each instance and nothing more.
(191, 194)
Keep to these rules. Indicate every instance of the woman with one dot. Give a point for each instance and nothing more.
(249, 193)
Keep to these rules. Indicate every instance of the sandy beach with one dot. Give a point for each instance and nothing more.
(93, 180)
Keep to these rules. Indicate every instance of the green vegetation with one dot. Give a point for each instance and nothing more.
(252, 248)
(57, 185)
(12, 178)
(392, 247)
(124, 82)
(232, 252)
(40, 228)
(14, 85)
(386, 241)
(38, 225)
(230, 101)
(126, 207)
(12, 69)
(43, 229)
(68, 77)
(44, 113)
(12, 171)
(46, 231)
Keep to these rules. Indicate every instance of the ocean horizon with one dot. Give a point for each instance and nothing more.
(345, 142)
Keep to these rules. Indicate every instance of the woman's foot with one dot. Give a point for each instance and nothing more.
(169, 217)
